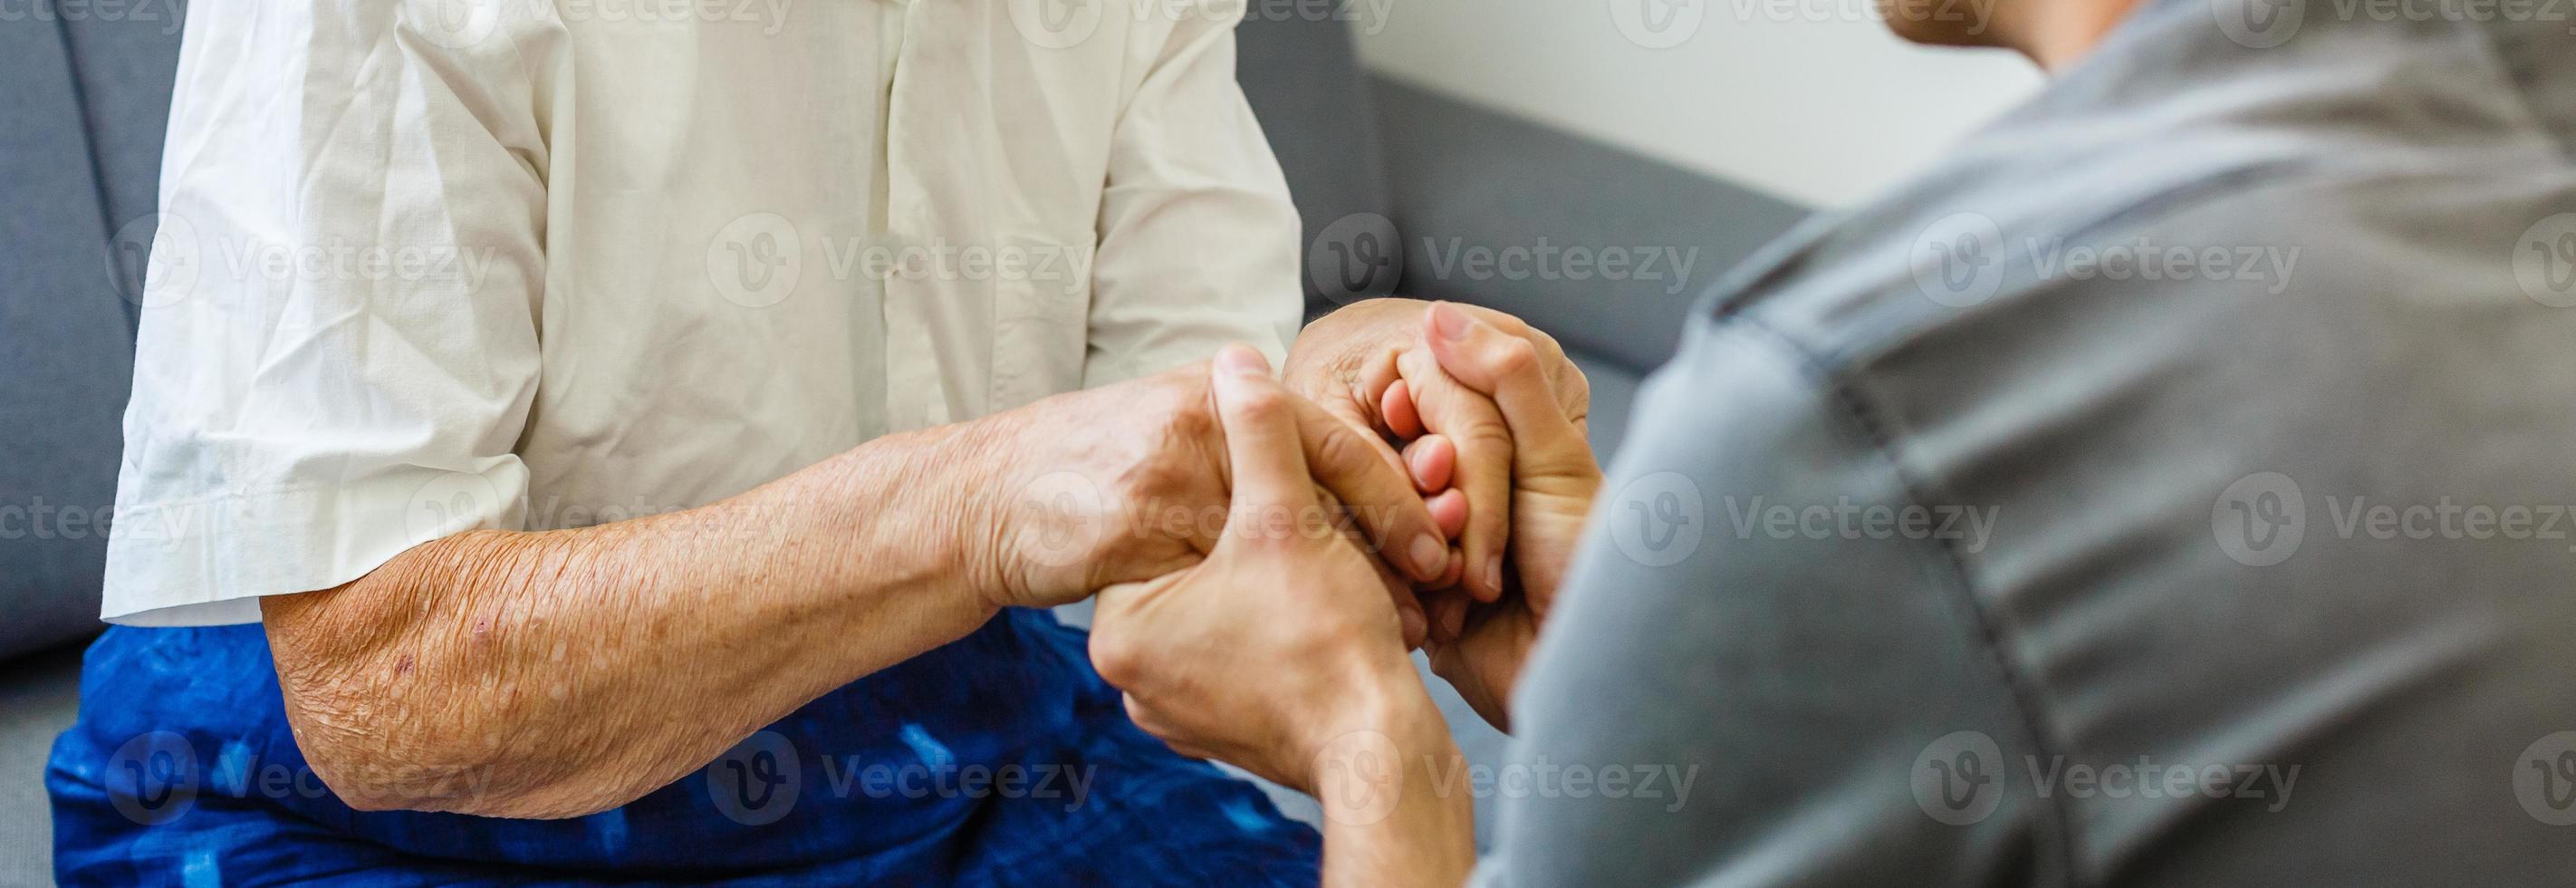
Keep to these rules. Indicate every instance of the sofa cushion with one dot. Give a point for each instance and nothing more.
(126, 66)
(65, 337)
(1305, 85)
(39, 697)
(1474, 184)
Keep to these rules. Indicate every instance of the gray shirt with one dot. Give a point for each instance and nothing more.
(2171, 488)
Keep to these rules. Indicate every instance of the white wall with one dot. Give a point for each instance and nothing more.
(1811, 100)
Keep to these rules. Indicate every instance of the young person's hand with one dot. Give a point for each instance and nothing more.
(1474, 381)
(1284, 638)
(1347, 362)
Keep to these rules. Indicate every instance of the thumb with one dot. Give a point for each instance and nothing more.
(1505, 368)
(1262, 444)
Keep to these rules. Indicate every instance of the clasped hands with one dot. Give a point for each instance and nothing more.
(1281, 643)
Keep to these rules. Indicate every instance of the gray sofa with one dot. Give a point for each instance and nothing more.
(1427, 178)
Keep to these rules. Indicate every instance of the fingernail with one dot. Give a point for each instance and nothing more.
(1453, 620)
(1494, 573)
(1242, 360)
(1429, 554)
(1451, 322)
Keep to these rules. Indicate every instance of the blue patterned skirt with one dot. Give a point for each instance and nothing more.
(999, 759)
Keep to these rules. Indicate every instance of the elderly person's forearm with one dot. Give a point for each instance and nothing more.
(559, 673)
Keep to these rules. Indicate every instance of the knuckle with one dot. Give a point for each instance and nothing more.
(1515, 356)
(1340, 452)
(1487, 438)
(1116, 658)
(1190, 422)
(1262, 403)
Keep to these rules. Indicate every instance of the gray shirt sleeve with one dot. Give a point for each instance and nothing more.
(1767, 666)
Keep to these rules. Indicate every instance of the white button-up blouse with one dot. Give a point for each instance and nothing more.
(430, 265)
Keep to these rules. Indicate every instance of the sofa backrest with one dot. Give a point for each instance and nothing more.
(80, 139)
(81, 127)
(1315, 105)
